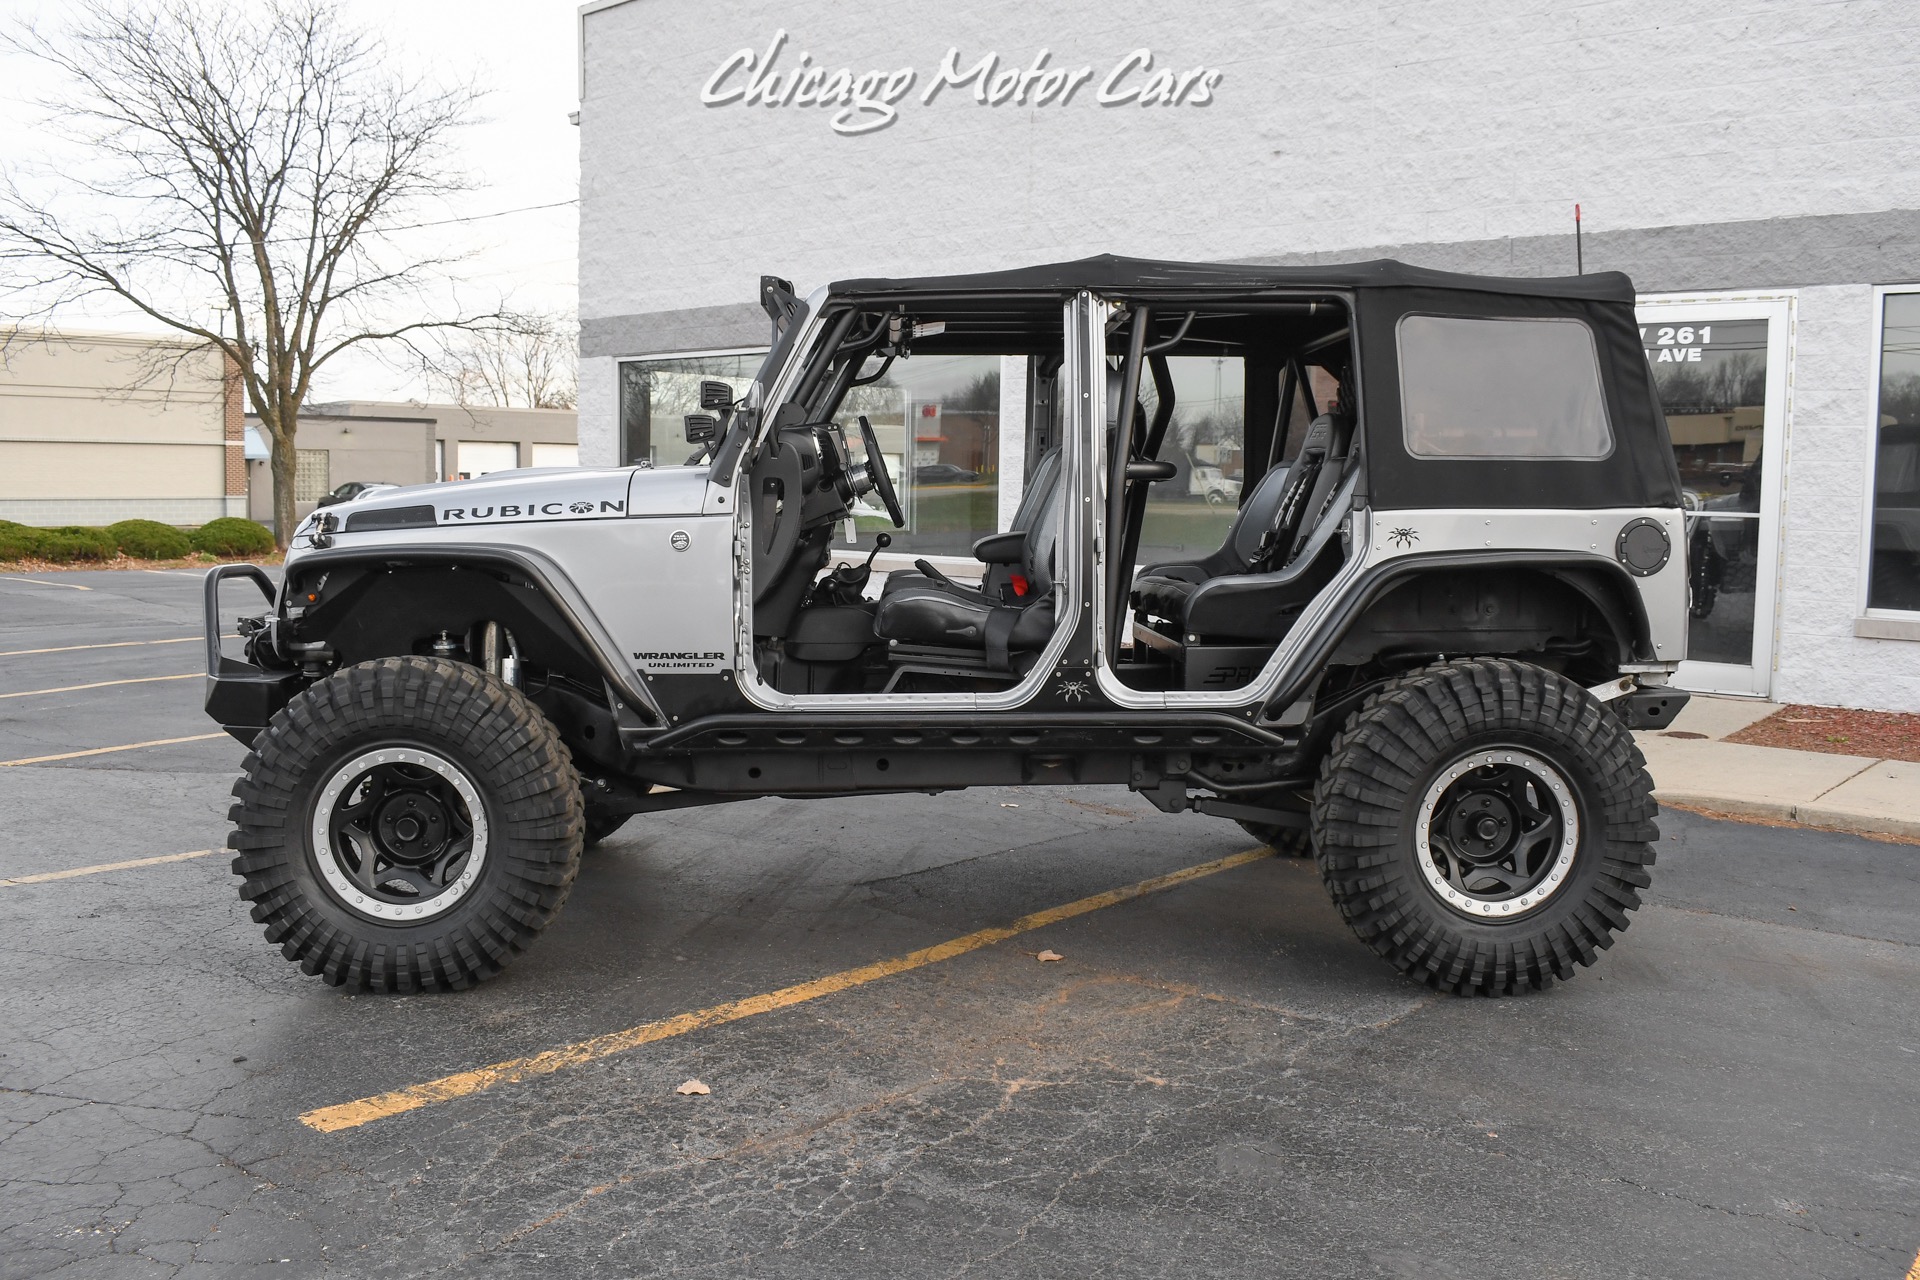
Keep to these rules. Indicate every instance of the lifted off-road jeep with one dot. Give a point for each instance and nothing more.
(1450, 589)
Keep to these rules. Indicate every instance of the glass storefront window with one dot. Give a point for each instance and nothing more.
(1188, 516)
(937, 419)
(655, 395)
(1712, 381)
(1894, 575)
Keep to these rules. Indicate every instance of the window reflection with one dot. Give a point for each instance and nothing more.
(1188, 516)
(1895, 572)
(656, 395)
(1712, 383)
(937, 419)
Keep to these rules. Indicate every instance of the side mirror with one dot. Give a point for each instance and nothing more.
(716, 395)
(702, 427)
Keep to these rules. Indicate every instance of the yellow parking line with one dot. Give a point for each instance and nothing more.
(1913, 1272)
(44, 876)
(102, 751)
(351, 1115)
(71, 586)
(112, 644)
(98, 684)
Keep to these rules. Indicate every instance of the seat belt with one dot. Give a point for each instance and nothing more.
(999, 631)
(1300, 483)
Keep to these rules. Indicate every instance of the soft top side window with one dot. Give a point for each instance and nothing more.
(1476, 387)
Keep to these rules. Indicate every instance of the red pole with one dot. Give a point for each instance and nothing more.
(1579, 259)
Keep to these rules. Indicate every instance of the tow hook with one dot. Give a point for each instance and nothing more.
(1641, 706)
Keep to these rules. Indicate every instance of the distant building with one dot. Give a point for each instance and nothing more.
(406, 442)
(99, 427)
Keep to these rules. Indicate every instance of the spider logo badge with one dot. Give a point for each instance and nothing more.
(1071, 690)
(1403, 538)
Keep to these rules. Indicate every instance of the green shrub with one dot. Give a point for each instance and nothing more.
(19, 541)
(150, 540)
(75, 542)
(232, 536)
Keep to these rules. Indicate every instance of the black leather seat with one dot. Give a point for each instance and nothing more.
(1161, 590)
(1003, 554)
(995, 618)
(1270, 564)
(951, 616)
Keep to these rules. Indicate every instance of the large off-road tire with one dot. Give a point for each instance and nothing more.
(1288, 842)
(406, 824)
(601, 823)
(1485, 825)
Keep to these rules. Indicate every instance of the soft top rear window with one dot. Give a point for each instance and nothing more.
(1472, 387)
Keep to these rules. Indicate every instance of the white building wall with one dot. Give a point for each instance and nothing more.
(1338, 124)
(598, 403)
(1823, 527)
(1745, 145)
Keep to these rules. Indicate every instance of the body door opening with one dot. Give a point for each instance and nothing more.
(888, 442)
(1232, 457)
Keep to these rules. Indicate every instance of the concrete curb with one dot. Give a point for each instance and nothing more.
(1825, 817)
(1692, 764)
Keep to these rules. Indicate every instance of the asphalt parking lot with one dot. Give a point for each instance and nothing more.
(1215, 1079)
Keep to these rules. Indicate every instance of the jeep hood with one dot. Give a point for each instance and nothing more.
(521, 497)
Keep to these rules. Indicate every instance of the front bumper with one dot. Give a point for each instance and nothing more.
(241, 697)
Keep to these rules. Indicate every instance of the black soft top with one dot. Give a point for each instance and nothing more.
(1108, 271)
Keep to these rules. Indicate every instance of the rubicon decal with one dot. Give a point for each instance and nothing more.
(532, 511)
(869, 101)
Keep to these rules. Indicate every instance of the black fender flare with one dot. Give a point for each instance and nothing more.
(559, 591)
(1594, 577)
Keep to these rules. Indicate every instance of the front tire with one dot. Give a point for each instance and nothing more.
(602, 823)
(1485, 826)
(406, 824)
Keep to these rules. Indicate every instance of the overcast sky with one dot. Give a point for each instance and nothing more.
(524, 153)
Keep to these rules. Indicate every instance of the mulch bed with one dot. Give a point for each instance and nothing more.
(1886, 735)
(198, 561)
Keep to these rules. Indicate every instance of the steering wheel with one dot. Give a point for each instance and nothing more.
(877, 473)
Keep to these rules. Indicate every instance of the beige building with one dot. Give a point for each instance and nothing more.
(407, 442)
(99, 427)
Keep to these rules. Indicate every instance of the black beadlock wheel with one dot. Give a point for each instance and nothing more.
(1485, 825)
(406, 824)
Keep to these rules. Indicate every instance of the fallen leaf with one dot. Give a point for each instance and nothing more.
(693, 1086)
(1045, 956)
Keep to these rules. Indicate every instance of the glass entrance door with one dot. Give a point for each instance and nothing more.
(1720, 368)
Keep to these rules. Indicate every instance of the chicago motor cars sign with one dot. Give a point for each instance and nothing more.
(869, 101)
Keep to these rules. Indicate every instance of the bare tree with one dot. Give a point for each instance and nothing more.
(523, 360)
(245, 168)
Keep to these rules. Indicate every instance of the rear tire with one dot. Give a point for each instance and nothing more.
(1485, 825)
(406, 824)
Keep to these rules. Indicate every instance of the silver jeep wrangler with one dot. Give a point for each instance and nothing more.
(1449, 591)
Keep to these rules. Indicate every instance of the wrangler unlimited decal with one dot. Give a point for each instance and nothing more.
(678, 661)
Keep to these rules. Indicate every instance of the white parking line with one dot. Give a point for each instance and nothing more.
(45, 876)
(98, 684)
(71, 586)
(102, 751)
(111, 644)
